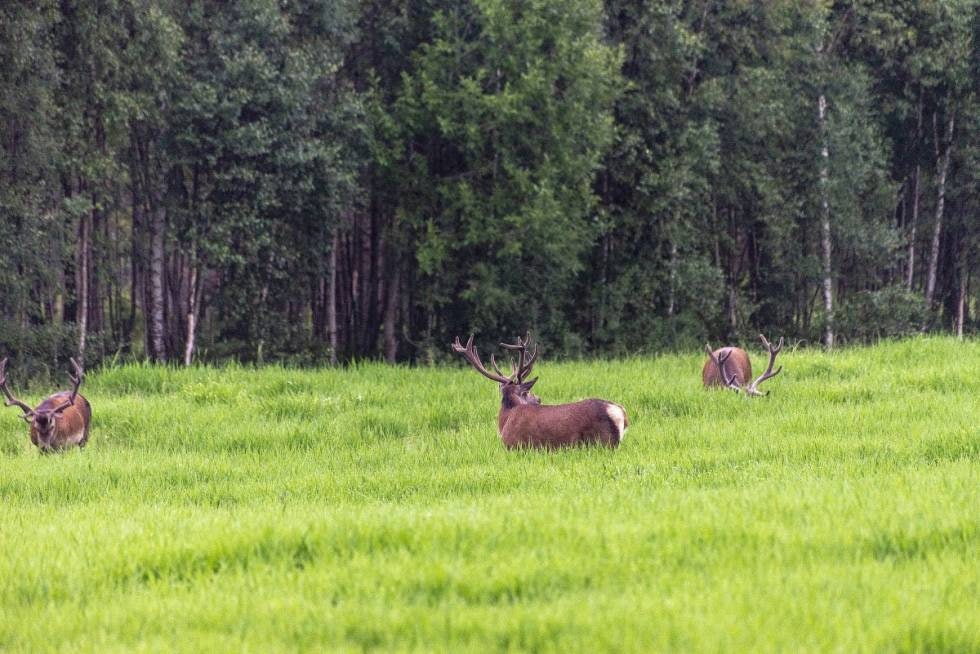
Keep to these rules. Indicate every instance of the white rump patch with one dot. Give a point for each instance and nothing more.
(618, 416)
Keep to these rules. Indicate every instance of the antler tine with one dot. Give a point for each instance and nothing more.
(753, 389)
(525, 363)
(77, 380)
(11, 400)
(493, 362)
(473, 357)
(528, 364)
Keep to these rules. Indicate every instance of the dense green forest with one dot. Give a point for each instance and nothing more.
(327, 180)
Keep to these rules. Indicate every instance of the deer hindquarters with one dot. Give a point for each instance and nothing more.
(618, 422)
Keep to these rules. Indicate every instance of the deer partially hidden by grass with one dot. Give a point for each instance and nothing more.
(61, 420)
(730, 367)
(524, 422)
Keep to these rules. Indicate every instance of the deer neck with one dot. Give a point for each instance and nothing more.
(507, 407)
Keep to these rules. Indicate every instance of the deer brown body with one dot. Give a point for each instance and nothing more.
(61, 420)
(730, 367)
(562, 425)
(524, 422)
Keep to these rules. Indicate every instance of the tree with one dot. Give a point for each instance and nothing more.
(505, 116)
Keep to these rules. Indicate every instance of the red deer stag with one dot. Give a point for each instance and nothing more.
(525, 422)
(61, 420)
(730, 367)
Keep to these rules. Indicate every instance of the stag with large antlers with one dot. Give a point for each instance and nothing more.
(730, 367)
(61, 420)
(524, 422)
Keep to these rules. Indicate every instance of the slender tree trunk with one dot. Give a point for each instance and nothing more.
(82, 283)
(391, 313)
(942, 168)
(733, 272)
(825, 234)
(158, 219)
(191, 314)
(672, 286)
(910, 273)
(332, 296)
(961, 300)
(910, 276)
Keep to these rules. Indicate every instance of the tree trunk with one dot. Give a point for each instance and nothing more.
(942, 168)
(671, 291)
(391, 313)
(192, 303)
(910, 273)
(82, 284)
(910, 276)
(961, 300)
(158, 219)
(825, 235)
(332, 296)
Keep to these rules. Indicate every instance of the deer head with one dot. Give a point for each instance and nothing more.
(56, 421)
(514, 388)
(735, 369)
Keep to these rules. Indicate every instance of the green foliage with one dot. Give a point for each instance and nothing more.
(374, 507)
(618, 177)
(889, 312)
(509, 104)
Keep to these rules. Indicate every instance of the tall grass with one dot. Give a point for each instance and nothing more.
(374, 507)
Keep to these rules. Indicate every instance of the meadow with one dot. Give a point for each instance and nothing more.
(373, 507)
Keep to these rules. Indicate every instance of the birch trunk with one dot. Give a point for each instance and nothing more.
(192, 303)
(942, 168)
(158, 218)
(825, 236)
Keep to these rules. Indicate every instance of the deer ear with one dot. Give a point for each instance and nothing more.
(526, 386)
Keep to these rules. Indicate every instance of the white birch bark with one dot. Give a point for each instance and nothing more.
(825, 234)
(942, 168)
(192, 303)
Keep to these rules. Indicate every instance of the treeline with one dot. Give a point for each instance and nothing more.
(327, 180)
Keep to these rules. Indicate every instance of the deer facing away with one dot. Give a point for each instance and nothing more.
(61, 420)
(730, 367)
(524, 422)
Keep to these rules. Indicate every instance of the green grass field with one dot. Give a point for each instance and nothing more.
(375, 508)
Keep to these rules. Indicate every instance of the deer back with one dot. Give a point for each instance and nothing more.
(562, 425)
(737, 364)
(71, 427)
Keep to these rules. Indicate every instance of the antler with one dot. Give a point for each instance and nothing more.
(525, 362)
(472, 356)
(77, 380)
(719, 361)
(11, 400)
(753, 388)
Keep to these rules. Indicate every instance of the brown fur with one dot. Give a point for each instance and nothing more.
(561, 425)
(737, 364)
(70, 426)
